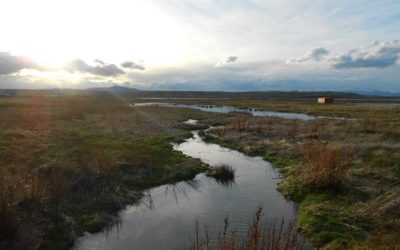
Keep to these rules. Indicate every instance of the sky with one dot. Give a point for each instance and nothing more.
(227, 45)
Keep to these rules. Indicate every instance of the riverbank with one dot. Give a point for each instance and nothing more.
(69, 165)
(360, 210)
(172, 216)
(93, 202)
(80, 160)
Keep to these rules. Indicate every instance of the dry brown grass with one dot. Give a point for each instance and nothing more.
(55, 153)
(9, 182)
(323, 164)
(379, 240)
(239, 123)
(367, 175)
(24, 192)
(272, 236)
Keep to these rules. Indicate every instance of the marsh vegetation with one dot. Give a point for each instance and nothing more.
(69, 164)
(343, 173)
(267, 236)
(223, 174)
(166, 221)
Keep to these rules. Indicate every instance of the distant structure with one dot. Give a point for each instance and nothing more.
(325, 100)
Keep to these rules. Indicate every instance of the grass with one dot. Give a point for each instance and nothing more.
(324, 166)
(271, 236)
(223, 174)
(69, 164)
(343, 173)
(341, 108)
(280, 161)
(326, 220)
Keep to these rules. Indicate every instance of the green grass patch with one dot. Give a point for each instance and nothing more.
(326, 219)
(279, 160)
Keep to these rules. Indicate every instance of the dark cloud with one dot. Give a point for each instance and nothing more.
(316, 54)
(132, 65)
(99, 61)
(229, 59)
(102, 69)
(10, 64)
(107, 70)
(379, 55)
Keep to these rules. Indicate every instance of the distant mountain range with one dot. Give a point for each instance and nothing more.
(115, 88)
(377, 93)
(337, 94)
(136, 93)
(271, 95)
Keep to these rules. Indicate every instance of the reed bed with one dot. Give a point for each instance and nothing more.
(270, 236)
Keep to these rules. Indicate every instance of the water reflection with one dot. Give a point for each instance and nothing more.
(147, 200)
(228, 183)
(165, 217)
(179, 189)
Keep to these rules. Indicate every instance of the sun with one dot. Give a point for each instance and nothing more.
(113, 31)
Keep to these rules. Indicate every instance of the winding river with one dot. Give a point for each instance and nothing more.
(166, 217)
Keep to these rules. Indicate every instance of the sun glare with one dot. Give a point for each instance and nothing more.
(133, 29)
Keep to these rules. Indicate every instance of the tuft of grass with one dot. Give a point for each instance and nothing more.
(223, 174)
(324, 166)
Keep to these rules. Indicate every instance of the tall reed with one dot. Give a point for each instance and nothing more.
(271, 236)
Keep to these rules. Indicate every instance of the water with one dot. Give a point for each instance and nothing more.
(377, 104)
(166, 217)
(190, 122)
(230, 109)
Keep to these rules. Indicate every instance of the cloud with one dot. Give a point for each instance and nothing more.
(102, 69)
(132, 65)
(316, 54)
(99, 61)
(378, 55)
(229, 59)
(11, 64)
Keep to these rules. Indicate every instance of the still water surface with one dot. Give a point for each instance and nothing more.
(166, 217)
(230, 109)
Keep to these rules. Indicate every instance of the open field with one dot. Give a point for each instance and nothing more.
(202, 125)
(69, 163)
